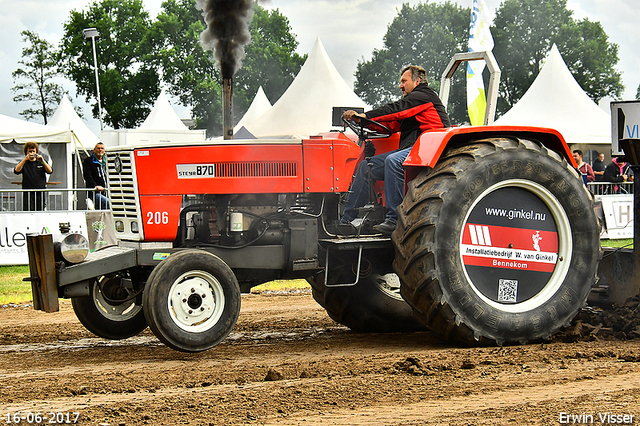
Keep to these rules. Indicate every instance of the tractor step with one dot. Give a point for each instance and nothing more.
(355, 243)
(350, 243)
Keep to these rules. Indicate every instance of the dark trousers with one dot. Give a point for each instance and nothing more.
(100, 201)
(33, 201)
(387, 167)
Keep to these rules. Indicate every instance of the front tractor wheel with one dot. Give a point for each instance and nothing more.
(499, 243)
(110, 311)
(192, 301)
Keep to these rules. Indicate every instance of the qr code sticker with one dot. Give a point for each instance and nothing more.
(507, 290)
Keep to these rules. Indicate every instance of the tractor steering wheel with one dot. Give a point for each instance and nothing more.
(368, 129)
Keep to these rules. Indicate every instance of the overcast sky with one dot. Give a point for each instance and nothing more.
(348, 29)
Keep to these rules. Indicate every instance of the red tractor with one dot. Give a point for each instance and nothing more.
(497, 240)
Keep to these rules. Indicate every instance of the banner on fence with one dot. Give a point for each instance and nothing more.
(101, 232)
(618, 215)
(14, 227)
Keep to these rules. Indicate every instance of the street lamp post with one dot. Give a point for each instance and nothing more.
(92, 33)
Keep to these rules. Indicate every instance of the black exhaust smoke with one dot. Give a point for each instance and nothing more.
(227, 33)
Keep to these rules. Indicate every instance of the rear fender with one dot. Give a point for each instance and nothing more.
(429, 147)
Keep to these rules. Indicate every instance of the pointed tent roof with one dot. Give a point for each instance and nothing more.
(162, 126)
(305, 108)
(162, 116)
(66, 117)
(556, 100)
(259, 106)
(24, 131)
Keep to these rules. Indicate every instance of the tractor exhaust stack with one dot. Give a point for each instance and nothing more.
(227, 108)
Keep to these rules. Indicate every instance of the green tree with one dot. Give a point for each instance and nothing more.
(188, 70)
(129, 80)
(427, 34)
(525, 30)
(34, 78)
(591, 58)
(191, 74)
(270, 60)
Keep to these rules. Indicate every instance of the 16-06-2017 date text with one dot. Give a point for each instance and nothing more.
(42, 418)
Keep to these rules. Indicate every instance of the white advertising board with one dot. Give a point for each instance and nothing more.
(625, 123)
(618, 215)
(14, 228)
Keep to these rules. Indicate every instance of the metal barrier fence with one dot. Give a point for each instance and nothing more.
(610, 188)
(19, 200)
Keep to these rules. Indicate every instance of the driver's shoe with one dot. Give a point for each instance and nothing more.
(385, 228)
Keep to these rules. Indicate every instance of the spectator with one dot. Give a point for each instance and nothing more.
(615, 171)
(583, 167)
(33, 169)
(95, 176)
(598, 167)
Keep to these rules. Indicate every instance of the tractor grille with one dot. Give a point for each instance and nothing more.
(122, 188)
(249, 169)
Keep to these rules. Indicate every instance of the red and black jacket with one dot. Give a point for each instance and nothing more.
(420, 110)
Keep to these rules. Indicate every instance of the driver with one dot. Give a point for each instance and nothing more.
(419, 109)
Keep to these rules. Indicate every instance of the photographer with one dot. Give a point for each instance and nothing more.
(33, 169)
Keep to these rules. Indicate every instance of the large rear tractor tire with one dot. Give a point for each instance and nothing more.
(191, 301)
(374, 304)
(110, 311)
(498, 244)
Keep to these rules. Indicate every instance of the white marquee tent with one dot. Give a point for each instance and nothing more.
(259, 106)
(305, 108)
(162, 125)
(54, 142)
(21, 131)
(66, 117)
(556, 100)
(163, 117)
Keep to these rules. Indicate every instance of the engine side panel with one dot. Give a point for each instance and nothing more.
(329, 164)
(220, 169)
(150, 182)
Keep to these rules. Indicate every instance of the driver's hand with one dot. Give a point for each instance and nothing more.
(352, 115)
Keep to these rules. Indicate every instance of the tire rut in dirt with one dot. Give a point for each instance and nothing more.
(444, 235)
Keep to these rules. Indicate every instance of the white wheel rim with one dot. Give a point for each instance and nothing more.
(123, 312)
(389, 284)
(196, 301)
(565, 246)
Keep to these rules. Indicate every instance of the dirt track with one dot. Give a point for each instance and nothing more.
(287, 363)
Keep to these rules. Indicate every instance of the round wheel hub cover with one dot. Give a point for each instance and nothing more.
(509, 245)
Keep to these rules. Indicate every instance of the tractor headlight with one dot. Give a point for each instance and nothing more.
(134, 227)
(72, 248)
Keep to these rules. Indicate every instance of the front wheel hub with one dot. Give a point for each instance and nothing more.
(197, 301)
(516, 259)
